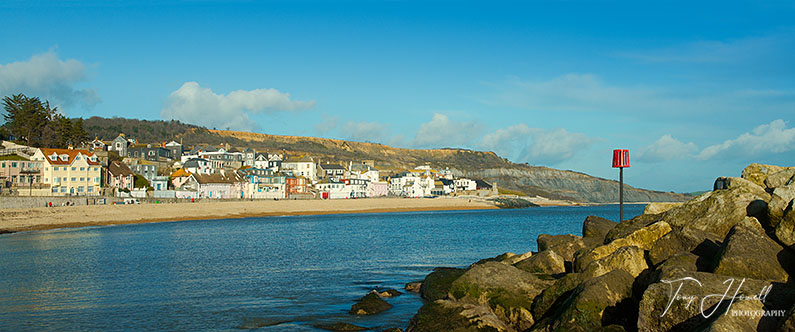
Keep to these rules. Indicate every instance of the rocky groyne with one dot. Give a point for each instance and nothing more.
(722, 261)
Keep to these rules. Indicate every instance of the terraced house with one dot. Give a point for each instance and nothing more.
(70, 172)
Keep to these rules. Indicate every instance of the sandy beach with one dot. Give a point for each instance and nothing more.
(30, 219)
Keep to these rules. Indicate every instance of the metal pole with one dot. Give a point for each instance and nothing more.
(621, 194)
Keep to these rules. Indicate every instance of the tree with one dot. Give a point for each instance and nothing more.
(27, 117)
(140, 181)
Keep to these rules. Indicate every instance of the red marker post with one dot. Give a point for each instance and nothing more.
(620, 160)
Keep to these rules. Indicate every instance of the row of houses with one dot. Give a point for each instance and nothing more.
(212, 172)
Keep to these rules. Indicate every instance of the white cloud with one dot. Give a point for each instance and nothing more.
(442, 131)
(194, 104)
(536, 145)
(666, 148)
(764, 140)
(365, 131)
(49, 78)
(550, 147)
(326, 124)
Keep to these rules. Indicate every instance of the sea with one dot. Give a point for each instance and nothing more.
(269, 274)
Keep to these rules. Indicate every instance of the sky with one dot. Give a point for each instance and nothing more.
(693, 90)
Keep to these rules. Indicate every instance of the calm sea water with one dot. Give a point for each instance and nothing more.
(281, 273)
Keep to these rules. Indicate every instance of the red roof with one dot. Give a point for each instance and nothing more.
(71, 153)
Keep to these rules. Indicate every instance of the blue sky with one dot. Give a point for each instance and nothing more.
(695, 91)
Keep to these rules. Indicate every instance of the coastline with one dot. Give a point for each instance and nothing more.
(43, 218)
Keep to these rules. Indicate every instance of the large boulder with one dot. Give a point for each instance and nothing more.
(681, 262)
(586, 307)
(788, 322)
(595, 229)
(512, 259)
(445, 315)
(624, 228)
(686, 239)
(731, 322)
(757, 173)
(556, 293)
(660, 207)
(748, 252)
(642, 238)
(630, 259)
(370, 304)
(675, 303)
(780, 201)
(437, 283)
(785, 230)
(547, 261)
(718, 211)
(564, 245)
(507, 290)
(781, 178)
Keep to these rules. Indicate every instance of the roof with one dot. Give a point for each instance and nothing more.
(482, 184)
(116, 168)
(180, 173)
(226, 177)
(299, 159)
(72, 154)
(193, 162)
(332, 166)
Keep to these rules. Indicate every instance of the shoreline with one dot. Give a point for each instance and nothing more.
(48, 218)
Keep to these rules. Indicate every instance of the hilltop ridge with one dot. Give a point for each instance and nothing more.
(531, 180)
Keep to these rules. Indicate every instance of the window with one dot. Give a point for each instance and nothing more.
(96, 179)
(13, 164)
(38, 178)
(53, 157)
(2, 165)
(74, 168)
(91, 189)
(74, 179)
(13, 178)
(80, 189)
(63, 189)
(57, 180)
(54, 190)
(82, 169)
(82, 179)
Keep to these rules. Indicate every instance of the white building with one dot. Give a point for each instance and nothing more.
(301, 166)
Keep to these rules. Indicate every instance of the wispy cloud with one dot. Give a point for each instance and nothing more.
(711, 51)
(764, 140)
(442, 131)
(50, 78)
(666, 148)
(365, 131)
(536, 145)
(195, 104)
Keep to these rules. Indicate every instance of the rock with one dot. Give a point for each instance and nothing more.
(547, 262)
(780, 201)
(595, 229)
(253, 323)
(413, 286)
(757, 173)
(393, 329)
(788, 322)
(740, 321)
(642, 238)
(563, 245)
(718, 211)
(340, 327)
(370, 304)
(675, 303)
(553, 295)
(725, 182)
(749, 253)
(630, 259)
(781, 178)
(517, 258)
(389, 292)
(444, 315)
(623, 229)
(681, 262)
(437, 284)
(686, 239)
(507, 290)
(585, 307)
(785, 230)
(660, 207)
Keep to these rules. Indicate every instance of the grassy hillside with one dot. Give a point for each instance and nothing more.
(530, 180)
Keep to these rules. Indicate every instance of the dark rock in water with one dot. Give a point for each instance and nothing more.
(5, 231)
(563, 245)
(749, 252)
(444, 315)
(595, 229)
(370, 304)
(590, 301)
(389, 292)
(413, 286)
(661, 311)
(508, 291)
(513, 203)
(437, 284)
(547, 262)
(252, 323)
(393, 329)
(685, 240)
(340, 327)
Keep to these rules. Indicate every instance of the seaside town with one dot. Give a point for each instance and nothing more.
(126, 168)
